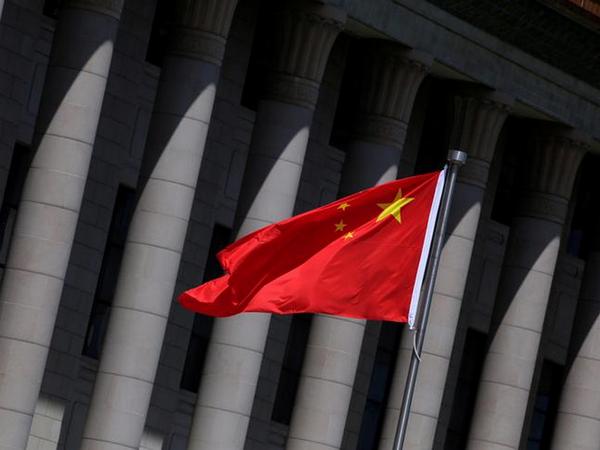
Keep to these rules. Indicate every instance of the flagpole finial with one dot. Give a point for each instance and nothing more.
(457, 157)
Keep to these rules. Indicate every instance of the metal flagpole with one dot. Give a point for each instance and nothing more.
(456, 159)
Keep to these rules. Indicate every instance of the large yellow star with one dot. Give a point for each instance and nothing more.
(393, 208)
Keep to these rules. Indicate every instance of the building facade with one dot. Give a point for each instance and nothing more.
(139, 137)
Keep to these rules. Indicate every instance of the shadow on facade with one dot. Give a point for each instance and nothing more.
(584, 242)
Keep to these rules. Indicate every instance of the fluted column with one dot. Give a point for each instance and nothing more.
(390, 83)
(478, 119)
(523, 290)
(306, 32)
(578, 421)
(170, 166)
(45, 228)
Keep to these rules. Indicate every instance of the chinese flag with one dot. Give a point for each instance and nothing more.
(363, 256)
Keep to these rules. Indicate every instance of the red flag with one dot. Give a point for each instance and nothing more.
(363, 256)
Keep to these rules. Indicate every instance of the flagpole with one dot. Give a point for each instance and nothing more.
(456, 159)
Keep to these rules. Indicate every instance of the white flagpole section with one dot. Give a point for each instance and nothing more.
(456, 159)
(431, 221)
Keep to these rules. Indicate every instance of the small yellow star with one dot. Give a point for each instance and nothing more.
(348, 235)
(393, 208)
(340, 226)
(343, 206)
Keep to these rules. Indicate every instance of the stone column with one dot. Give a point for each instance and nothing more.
(306, 32)
(578, 420)
(43, 236)
(391, 80)
(478, 119)
(170, 166)
(523, 290)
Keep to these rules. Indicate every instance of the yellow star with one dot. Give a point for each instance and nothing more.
(340, 226)
(343, 206)
(393, 208)
(348, 235)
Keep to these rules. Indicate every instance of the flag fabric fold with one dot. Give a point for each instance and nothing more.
(362, 256)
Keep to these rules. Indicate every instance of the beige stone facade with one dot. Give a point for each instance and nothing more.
(138, 137)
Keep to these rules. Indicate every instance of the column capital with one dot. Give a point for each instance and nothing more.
(201, 29)
(391, 78)
(479, 114)
(305, 34)
(109, 7)
(548, 178)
